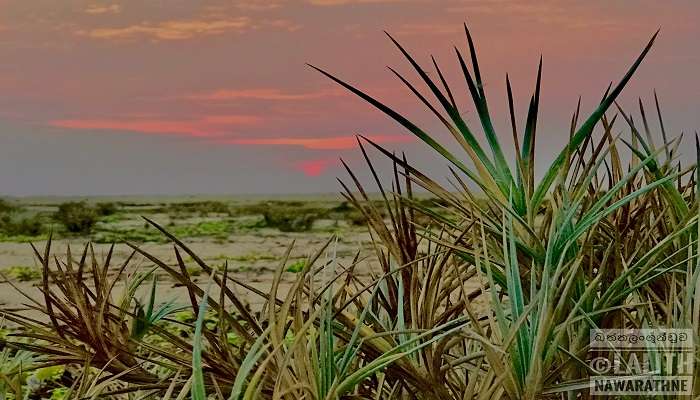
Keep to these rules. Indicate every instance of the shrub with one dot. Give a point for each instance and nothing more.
(289, 219)
(105, 209)
(29, 226)
(356, 218)
(343, 207)
(32, 226)
(259, 208)
(76, 216)
(202, 208)
(7, 207)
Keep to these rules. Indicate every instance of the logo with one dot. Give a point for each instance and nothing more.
(637, 362)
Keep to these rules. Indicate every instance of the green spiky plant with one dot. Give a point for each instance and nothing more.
(569, 252)
(494, 298)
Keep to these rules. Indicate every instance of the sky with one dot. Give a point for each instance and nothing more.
(215, 97)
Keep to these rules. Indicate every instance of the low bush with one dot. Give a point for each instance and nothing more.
(76, 216)
(343, 207)
(291, 219)
(7, 207)
(202, 208)
(29, 226)
(356, 218)
(105, 209)
(260, 208)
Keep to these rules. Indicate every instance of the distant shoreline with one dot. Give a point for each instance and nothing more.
(171, 198)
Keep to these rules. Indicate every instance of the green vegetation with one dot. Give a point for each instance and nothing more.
(107, 222)
(16, 228)
(286, 220)
(22, 273)
(250, 257)
(493, 296)
(291, 217)
(201, 208)
(76, 217)
(259, 208)
(105, 209)
(7, 207)
(296, 266)
(136, 235)
(219, 229)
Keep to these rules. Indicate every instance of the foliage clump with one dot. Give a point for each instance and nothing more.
(107, 208)
(21, 227)
(76, 216)
(15, 225)
(22, 273)
(202, 208)
(8, 207)
(291, 219)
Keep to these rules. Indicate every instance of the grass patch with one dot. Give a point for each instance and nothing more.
(296, 266)
(250, 257)
(218, 229)
(22, 273)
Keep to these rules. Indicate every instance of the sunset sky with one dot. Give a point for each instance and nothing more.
(182, 97)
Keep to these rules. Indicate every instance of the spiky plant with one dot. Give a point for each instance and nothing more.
(580, 248)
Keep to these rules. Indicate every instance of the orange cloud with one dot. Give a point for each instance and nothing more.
(344, 2)
(186, 29)
(543, 12)
(414, 29)
(95, 9)
(258, 94)
(227, 8)
(320, 143)
(205, 126)
(258, 5)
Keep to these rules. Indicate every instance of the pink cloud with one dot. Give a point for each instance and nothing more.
(314, 167)
(204, 126)
(319, 143)
(258, 94)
